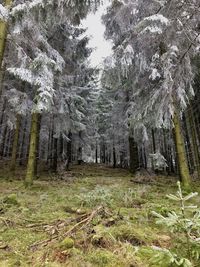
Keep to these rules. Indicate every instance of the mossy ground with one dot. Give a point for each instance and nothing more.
(123, 239)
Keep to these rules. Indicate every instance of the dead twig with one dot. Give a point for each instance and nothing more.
(83, 220)
(6, 221)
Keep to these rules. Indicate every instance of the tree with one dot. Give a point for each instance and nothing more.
(150, 50)
(43, 62)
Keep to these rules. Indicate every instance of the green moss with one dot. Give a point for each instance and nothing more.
(11, 200)
(98, 244)
(102, 258)
(129, 233)
(67, 243)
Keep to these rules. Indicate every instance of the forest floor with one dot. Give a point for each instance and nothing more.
(94, 216)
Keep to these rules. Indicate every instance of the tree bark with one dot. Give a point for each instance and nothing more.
(3, 33)
(193, 135)
(37, 145)
(114, 157)
(32, 150)
(3, 38)
(69, 151)
(22, 150)
(133, 152)
(181, 154)
(3, 140)
(55, 155)
(15, 144)
(96, 153)
(8, 140)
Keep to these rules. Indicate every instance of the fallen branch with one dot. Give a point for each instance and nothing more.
(86, 220)
(83, 220)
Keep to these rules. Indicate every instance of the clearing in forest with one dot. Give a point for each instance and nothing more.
(96, 216)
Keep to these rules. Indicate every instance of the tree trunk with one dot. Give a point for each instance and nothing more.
(32, 150)
(165, 153)
(3, 37)
(15, 144)
(37, 145)
(114, 157)
(55, 155)
(181, 154)
(153, 140)
(61, 147)
(3, 33)
(96, 153)
(133, 152)
(2, 114)
(69, 151)
(8, 140)
(3, 140)
(49, 144)
(188, 145)
(23, 143)
(193, 135)
(153, 148)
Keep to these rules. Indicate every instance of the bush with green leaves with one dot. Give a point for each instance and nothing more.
(185, 221)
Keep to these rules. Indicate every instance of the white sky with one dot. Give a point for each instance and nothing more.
(96, 32)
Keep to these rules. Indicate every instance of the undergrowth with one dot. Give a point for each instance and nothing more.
(122, 232)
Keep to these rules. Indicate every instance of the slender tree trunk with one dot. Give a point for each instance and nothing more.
(172, 159)
(55, 155)
(145, 157)
(153, 141)
(8, 140)
(2, 114)
(15, 144)
(114, 157)
(121, 157)
(69, 152)
(3, 37)
(49, 144)
(51, 147)
(188, 144)
(133, 152)
(3, 140)
(61, 147)
(37, 145)
(32, 150)
(96, 153)
(23, 143)
(181, 154)
(153, 148)
(166, 154)
(193, 135)
(3, 33)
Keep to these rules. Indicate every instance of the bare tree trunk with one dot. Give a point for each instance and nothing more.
(37, 145)
(3, 140)
(181, 154)
(3, 38)
(32, 150)
(15, 144)
(69, 152)
(2, 114)
(55, 155)
(193, 135)
(133, 152)
(96, 153)
(8, 140)
(22, 150)
(61, 147)
(114, 156)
